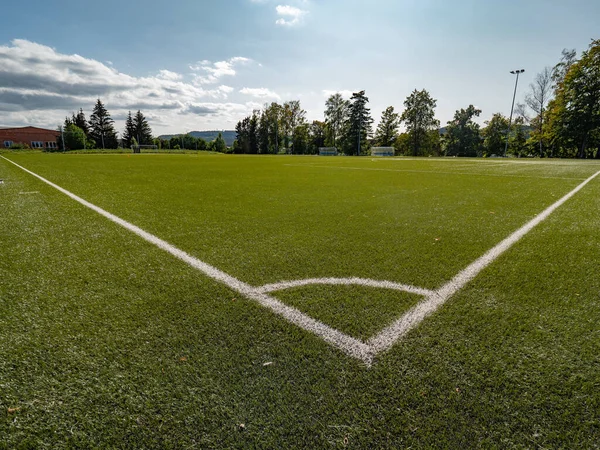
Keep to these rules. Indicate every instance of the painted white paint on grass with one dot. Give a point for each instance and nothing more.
(348, 282)
(351, 346)
(434, 172)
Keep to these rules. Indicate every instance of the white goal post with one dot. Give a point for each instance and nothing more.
(328, 151)
(382, 151)
(139, 148)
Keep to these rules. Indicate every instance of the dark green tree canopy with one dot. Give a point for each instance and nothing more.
(129, 133)
(462, 133)
(387, 130)
(102, 128)
(74, 137)
(81, 122)
(142, 130)
(494, 135)
(359, 125)
(419, 118)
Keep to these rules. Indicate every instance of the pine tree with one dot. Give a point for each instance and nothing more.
(81, 122)
(102, 128)
(129, 133)
(143, 132)
(359, 125)
(387, 130)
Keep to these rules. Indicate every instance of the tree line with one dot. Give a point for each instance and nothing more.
(99, 132)
(560, 117)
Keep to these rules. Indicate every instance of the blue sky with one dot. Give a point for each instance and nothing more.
(198, 65)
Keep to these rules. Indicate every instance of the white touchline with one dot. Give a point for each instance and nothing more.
(351, 346)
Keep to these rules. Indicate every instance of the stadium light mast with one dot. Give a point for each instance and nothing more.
(62, 137)
(512, 108)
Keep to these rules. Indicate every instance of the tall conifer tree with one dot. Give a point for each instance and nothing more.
(102, 128)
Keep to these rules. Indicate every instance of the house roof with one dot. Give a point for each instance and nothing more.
(27, 128)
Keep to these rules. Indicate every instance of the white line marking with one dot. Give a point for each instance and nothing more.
(351, 346)
(346, 281)
(435, 172)
(386, 338)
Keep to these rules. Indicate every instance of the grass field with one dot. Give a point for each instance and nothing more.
(107, 341)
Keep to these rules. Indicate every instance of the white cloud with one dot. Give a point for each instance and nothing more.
(289, 15)
(345, 93)
(226, 89)
(40, 86)
(168, 75)
(262, 93)
(212, 72)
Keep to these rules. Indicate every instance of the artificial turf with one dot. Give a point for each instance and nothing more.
(106, 341)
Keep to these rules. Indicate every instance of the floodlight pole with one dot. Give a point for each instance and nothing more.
(102, 140)
(517, 72)
(62, 136)
(359, 135)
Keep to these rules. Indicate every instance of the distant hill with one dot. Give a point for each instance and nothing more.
(208, 136)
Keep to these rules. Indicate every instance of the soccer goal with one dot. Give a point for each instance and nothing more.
(139, 148)
(328, 151)
(382, 151)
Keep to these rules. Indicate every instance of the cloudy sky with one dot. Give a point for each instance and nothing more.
(203, 65)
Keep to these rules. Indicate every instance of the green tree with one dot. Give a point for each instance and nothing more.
(494, 135)
(129, 133)
(269, 131)
(102, 128)
(419, 118)
(301, 143)
(318, 136)
(74, 137)
(518, 139)
(537, 100)
(359, 125)
(142, 130)
(219, 144)
(242, 140)
(292, 115)
(403, 144)
(81, 122)
(336, 115)
(462, 136)
(387, 130)
(580, 100)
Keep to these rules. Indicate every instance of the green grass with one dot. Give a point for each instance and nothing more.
(106, 341)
